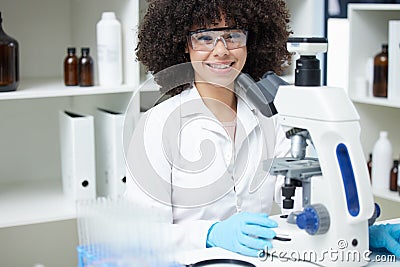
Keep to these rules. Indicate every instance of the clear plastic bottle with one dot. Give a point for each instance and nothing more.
(9, 61)
(71, 62)
(86, 68)
(109, 49)
(382, 162)
(381, 73)
(393, 176)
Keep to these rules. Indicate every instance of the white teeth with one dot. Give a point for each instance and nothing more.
(219, 66)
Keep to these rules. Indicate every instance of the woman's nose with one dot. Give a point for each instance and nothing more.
(220, 48)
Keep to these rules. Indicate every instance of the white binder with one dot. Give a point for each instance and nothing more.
(394, 60)
(77, 155)
(110, 164)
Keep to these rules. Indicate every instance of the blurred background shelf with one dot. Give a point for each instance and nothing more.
(30, 202)
(53, 87)
(384, 102)
(368, 29)
(387, 194)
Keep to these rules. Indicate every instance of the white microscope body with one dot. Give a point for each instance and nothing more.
(337, 196)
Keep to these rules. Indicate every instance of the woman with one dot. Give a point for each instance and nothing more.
(198, 158)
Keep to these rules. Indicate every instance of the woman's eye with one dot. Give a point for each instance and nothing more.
(231, 37)
(234, 36)
(227, 36)
(205, 38)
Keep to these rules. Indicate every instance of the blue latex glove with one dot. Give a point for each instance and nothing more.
(385, 236)
(244, 233)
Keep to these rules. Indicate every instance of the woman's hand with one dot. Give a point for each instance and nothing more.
(385, 236)
(244, 233)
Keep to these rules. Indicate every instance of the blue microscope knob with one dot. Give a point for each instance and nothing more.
(314, 219)
(377, 213)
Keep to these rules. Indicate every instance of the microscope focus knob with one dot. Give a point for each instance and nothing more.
(314, 219)
(377, 213)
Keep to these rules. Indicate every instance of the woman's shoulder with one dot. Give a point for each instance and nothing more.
(170, 104)
(167, 104)
(160, 112)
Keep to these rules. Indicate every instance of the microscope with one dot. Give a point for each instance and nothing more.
(337, 200)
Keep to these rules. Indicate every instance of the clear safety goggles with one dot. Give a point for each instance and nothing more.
(207, 39)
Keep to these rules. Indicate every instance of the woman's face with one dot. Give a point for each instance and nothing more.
(220, 66)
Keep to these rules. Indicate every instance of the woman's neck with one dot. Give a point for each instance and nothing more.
(220, 100)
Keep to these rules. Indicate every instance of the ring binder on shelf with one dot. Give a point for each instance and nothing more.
(77, 155)
(110, 164)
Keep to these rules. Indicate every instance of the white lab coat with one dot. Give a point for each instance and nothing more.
(183, 165)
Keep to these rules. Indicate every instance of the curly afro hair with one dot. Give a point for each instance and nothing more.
(166, 24)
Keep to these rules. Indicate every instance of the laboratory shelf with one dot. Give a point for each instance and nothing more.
(368, 30)
(54, 87)
(386, 194)
(375, 7)
(34, 201)
(377, 101)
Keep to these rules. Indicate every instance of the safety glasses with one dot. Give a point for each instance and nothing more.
(207, 39)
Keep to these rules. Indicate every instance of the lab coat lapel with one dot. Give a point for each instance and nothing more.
(246, 121)
(192, 106)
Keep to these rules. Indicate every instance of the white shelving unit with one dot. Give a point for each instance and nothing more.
(30, 202)
(42, 88)
(387, 194)
(376, 101)
(30, 165)
(368, 30)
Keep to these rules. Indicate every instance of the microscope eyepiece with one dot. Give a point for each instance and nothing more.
(307, 72)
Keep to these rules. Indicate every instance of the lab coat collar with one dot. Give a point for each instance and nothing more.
(193, 105)
(246, 112)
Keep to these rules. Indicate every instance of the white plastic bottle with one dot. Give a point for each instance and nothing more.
(109, 50)
(381, 162)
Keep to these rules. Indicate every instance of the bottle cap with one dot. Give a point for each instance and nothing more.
(108, 15)
(85, 50)
(383, 133)
(71, 50)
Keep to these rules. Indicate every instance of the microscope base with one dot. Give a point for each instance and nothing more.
(347, 245)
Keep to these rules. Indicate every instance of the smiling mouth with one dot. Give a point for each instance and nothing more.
(219, 66)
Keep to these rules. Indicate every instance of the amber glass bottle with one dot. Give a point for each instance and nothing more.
(369, 165)
(381, 73)
(86, 68)
(9, 61)
(393, 176)
(71, 63)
